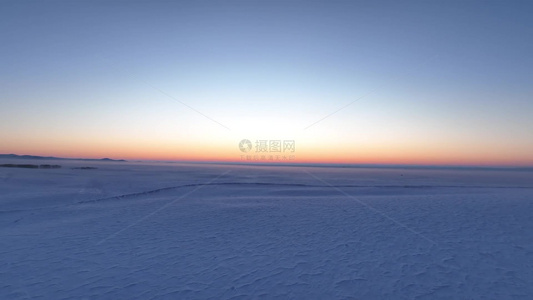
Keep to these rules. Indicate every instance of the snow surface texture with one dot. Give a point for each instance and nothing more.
(184, 231)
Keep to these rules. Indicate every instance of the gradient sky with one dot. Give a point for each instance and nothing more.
(443, 82)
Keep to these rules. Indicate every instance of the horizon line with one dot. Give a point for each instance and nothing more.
(289, 164)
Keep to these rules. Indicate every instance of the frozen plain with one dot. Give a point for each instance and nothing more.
(195, 231)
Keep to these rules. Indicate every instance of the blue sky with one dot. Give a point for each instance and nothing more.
(451, 79)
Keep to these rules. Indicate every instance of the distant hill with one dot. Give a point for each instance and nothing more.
(61, 158)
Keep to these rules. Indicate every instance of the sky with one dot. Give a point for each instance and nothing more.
(400, 82)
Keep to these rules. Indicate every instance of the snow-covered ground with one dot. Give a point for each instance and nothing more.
(192, 231)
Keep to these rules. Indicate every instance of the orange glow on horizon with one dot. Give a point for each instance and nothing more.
(231, 153)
